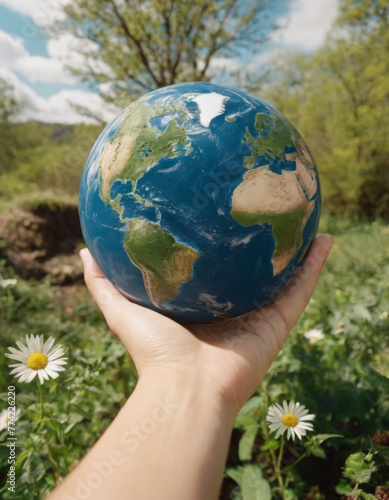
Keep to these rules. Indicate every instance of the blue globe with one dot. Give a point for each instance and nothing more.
(200, 202)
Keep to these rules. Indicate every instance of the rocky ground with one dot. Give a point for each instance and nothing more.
(42, 239)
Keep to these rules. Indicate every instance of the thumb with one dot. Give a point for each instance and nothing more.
(102, 290)
(130, 322)
(109, 300)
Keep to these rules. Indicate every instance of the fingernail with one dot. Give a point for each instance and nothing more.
(82, 254)
(329, 242)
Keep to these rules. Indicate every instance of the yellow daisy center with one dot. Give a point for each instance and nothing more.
(289, 420)
(37, 361)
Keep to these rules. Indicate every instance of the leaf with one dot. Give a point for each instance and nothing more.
(247, 415)
(357, 469)
(343, 487)
(290, 495)
(270, 445)
(236, 494)
(380, 364)
(254, 485)
(319, 453)
(236, 474)
(367, 496)
(317, 440)
(247, 441)
(251, 407)
(375, 378)
(22, 457)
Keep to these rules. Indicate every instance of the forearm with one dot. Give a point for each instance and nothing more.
(169, 441)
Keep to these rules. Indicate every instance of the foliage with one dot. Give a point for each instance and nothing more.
(342, 378)
(9, 104)
(338, 98)
(38, 156)
(80, 404)
(135, 47)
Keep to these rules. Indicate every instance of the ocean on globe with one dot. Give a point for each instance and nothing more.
(200, 202)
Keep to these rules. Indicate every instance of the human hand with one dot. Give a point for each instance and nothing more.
(229, 358)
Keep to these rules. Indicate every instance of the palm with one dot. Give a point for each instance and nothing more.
(233, 355)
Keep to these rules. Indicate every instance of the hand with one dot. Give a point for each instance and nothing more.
(231, 357)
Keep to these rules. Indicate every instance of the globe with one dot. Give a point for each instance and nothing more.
(199, 201)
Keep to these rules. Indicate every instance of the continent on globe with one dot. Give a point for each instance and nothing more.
(264, 197)
(200, 201)
(164, 263)
(283, 200)
(137, 145)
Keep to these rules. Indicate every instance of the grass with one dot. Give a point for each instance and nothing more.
(343, 378)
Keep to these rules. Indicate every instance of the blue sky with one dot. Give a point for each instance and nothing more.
(35, 65)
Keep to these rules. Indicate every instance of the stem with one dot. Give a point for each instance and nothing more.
(50, 456)
(280, 453)
(273, 455)
(278, 467)
(288, 467)
(355, 488)
(41, 398)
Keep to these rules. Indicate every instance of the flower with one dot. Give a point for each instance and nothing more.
(4, 419)
(384, 315)
(37, 358)
(5, 283)
(340, 329)
(291, 417)
(314, 335)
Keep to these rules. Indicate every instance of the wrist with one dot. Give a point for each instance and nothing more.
(187, 390)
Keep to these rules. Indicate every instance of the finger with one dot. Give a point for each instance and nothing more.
(130, 322)
(102, 290)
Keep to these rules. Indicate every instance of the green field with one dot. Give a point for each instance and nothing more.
(343, 378)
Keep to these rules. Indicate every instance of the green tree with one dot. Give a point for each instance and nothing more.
(338, 99)
(9, 104)
(139, 46)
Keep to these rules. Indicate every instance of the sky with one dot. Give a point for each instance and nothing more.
(35, 64)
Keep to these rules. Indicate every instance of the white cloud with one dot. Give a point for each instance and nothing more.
(11, 49)
(14, 56)
(15, 61)
(43, 69)
(41, 12)
(69, 50)
(307, 24)
(57, 108)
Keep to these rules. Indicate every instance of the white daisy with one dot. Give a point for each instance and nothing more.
(291, 417)
(314, 335)
(5, 283)
(4, 419)
(37, 358)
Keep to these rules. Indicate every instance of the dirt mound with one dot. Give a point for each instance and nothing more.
(43, 238)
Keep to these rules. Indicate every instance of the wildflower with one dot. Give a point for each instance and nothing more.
(4, 418)
(384, 315)
(68, 310)
(314, 335)
(37, 358)
(291, 417)
(5, 283)
(340, 329)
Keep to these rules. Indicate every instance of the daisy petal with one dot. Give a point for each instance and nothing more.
(48, 345)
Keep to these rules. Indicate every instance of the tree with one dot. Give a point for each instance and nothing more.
(9, 104)
(338, 98)
(137, 46)
(9, 107)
